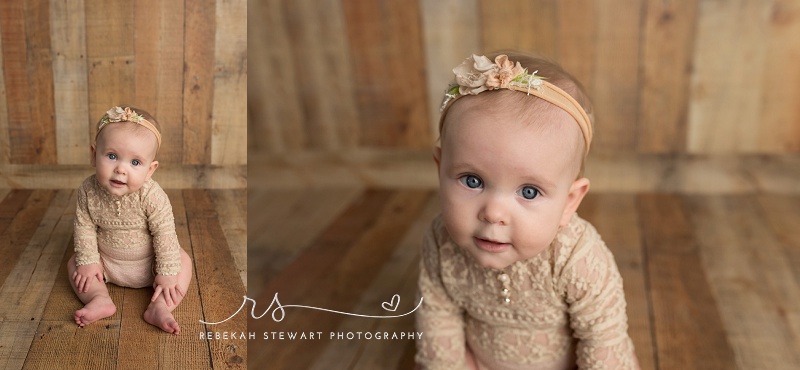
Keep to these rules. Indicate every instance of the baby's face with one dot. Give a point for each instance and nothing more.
(506, 186)
(124, 159)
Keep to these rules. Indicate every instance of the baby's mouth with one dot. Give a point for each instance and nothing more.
(491, 245)
(117, 182)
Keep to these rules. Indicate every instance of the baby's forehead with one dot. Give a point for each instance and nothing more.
(534, 114)
(128, 128)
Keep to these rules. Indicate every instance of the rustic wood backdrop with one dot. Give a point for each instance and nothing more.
(66, 62)
(667, 77)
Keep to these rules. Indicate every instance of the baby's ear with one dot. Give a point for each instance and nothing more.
(93, 158)
(437, 156)
(153, 166)
(577, 191)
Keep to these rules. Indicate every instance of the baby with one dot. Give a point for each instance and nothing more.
(124, 227)
(511, 277)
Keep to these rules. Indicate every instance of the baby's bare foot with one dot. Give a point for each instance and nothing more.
(98, 308)
(158, 315)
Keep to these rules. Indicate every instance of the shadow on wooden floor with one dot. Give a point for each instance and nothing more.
(711, 281)
(37, 330)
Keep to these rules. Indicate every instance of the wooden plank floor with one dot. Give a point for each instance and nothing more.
(711, 281)
(37, 330)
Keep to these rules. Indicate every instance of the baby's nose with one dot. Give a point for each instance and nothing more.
(494, 211)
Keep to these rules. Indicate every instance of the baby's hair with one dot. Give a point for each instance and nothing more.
(554, 74)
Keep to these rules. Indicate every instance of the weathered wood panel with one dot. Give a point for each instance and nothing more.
(699, 77)
(65, 63)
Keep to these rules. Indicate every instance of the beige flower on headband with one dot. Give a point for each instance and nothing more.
(478, 74)
(506, 71)
(119, 114)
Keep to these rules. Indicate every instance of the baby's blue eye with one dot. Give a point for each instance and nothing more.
(135, 162)
(529, 192)
(111, 156)
(472, 181)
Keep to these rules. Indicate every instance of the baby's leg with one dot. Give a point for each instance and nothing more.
(97, 302)
(158, 313)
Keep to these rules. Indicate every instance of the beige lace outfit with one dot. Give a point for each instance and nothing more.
(567, 307)
(134, 235)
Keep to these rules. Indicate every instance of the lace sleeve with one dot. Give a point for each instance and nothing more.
(161, 223)
(85, 230)
(442, 345)
(596, 301)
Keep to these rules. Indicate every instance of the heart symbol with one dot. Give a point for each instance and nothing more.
(392, 306)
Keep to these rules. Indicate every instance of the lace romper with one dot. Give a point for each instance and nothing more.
(134, 235)
(567, 306)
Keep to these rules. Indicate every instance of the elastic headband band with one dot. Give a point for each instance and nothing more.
(478, 74)
(119, 114)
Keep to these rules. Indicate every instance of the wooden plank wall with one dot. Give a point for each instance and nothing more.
(66, 62)
(667, 77)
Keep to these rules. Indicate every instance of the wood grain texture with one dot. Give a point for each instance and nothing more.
(616, 81)
(158, 70)
(70, 82)
(231, 207)
(667, 42)
(18, 233)
(729, 48)
(228, 135)
(5, 140)
(326, 84)
(778, 128)
(623, 237)
(17, 82)
(281, 225)
(336, 269)
(198, 81)
(752, 280)
(398, 275)
(577, 39)
(111, 56)
(275, 112)
(509, 25)
(168, 176)
(448, 38)
(386, 50)
(221, 288)
(666, 77)
(65, 64)
(680, 290)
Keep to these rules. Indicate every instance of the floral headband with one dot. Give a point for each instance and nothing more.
(478, 74)
(119, 114)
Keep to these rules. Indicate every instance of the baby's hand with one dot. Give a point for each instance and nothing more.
(84, 275)
(169, 286)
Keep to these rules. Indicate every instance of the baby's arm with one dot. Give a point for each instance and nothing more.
(161, 223)
(442, 345)
(87, 258)
(597, 308)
